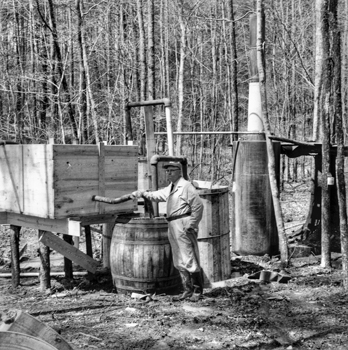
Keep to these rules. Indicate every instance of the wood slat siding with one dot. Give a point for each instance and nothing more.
(58, 181)
(214, 235)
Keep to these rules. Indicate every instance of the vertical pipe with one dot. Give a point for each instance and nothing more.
(169, 131)
(254, 104)
(128, 127)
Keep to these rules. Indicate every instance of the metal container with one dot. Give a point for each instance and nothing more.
(254, 230)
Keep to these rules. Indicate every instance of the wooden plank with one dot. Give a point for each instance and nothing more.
(3, 218)
(37, 179)
(67, 226)
(69, 251)
(11, 177)
(92, 150)
(76, 185)
(82, 205)
(97, 219)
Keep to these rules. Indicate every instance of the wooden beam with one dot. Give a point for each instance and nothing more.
(107, 235)
(99, 219)
(69, 251)
(66, 226)
(299, 143)
(68, 267)
(45, 268)
(89, 249)
(3, 218)
(294, 151)
(15, 230)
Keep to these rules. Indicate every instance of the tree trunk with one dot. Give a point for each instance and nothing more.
(45, 269)
(60, 67)
(326, 101)
(142, 52)
(142, 75)
(283, 244)
(82, 46)
(345, 71)
(234, 69)
(318, 68)
(181, 75)
(151, 51)
(341, 181)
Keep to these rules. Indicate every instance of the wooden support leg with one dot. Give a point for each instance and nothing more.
(107, 235)
(15, 255)
(76, 241)
(45, 269)
(89, 250)
(68, 267)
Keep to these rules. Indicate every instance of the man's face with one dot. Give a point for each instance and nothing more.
(173, 174)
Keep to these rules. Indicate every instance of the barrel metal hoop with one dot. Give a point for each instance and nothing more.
(169, 278)
(202, 239)
(141, 242)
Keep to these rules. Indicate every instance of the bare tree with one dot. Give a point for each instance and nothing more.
(283, 244)
(151, 50)
(85, 69)
(61, 68)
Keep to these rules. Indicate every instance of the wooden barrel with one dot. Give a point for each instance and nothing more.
(214, 235)
(20, 341)
(26, 324)
(141, 257)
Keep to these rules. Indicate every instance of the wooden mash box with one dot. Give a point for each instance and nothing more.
(58, 181)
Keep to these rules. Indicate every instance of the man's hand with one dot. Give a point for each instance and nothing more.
(137, 194)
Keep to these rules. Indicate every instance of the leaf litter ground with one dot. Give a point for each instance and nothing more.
(308, 312)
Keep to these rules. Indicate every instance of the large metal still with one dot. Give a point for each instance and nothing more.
(253, 225)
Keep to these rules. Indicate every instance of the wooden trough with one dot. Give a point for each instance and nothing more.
(51, 188)
(58, 181)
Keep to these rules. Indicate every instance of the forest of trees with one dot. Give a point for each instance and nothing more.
(68, 68)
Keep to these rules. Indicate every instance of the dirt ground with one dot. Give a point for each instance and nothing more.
(308, 312)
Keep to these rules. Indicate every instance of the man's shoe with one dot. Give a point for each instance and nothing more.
(198, 283)
(187, 284)
(196, 297)
(186, 295)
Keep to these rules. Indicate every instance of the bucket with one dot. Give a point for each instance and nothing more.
(141, 256)
(214, 235)
(29, 325)
(20, 341)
